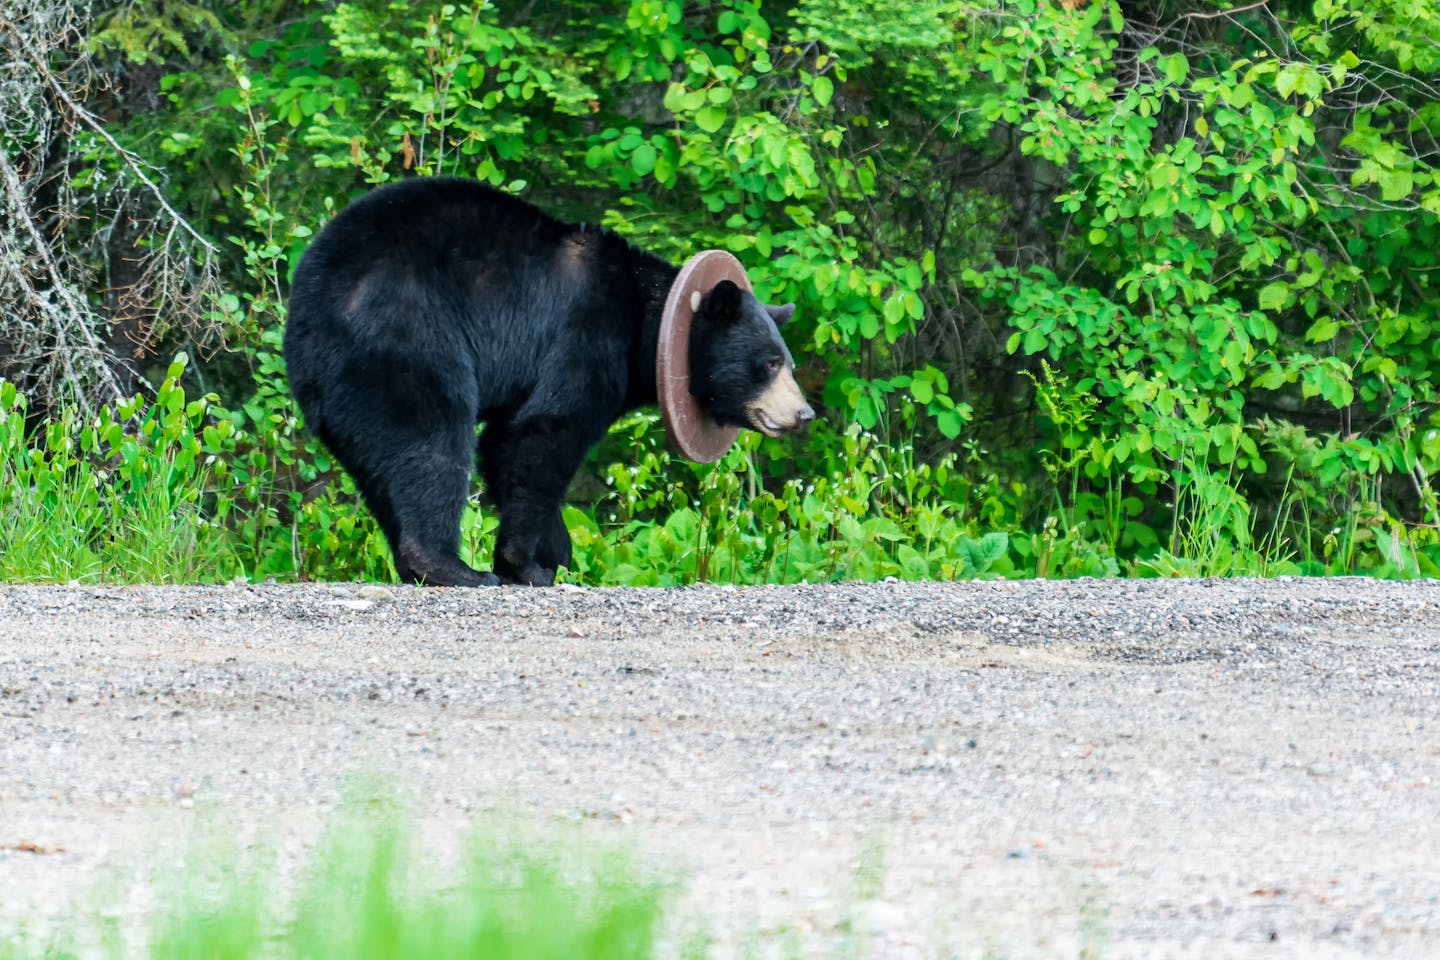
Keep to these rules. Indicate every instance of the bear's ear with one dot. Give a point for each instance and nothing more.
(722, 303)
(781, 313)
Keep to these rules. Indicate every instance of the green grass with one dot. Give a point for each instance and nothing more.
(368, 895)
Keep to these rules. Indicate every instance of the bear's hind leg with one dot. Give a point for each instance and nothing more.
(428, 485)
(417, 490)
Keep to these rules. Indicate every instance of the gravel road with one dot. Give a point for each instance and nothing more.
(1022, 769)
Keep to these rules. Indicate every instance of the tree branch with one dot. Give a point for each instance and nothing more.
(78, 112)
(1224, 13)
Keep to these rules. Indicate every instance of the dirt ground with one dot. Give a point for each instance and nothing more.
(1031, 769)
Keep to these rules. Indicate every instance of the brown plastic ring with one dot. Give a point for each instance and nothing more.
(691, 430)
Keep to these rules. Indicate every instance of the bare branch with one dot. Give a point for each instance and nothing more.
(1224, 13)
(78, 112)
(95, 263)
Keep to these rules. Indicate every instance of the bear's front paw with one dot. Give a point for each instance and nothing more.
(530, 577)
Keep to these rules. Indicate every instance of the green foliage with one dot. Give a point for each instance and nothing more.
(1222, 257)
(118, 498)
(1213, 534)
(1153, 295)
(849, 523)
(684, 114)
(470, 95)
(148, 33)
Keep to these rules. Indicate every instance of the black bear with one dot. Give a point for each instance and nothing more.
(433, 304)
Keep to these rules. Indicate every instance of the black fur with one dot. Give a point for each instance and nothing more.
(732, 359)
(433, 304)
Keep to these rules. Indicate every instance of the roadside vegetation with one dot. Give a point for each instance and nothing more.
(1084, 287)
(367, 894)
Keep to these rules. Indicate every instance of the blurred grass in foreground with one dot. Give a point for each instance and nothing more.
(366, 894)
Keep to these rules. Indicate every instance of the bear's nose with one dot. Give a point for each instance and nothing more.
(803, 416)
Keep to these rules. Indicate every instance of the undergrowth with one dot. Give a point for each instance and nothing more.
(182, 490)
(119, 498)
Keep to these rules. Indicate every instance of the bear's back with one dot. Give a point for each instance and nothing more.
(452, 281)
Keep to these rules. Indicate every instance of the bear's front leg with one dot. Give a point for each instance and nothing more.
(527, 468)
(528, 553)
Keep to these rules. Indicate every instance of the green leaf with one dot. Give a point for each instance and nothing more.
(894, 308)
(1322, 330)
(642, 161)
(980, 555)
(711, 118)
(683, 525)
(950, 422)
(1285, 81)
(823, 88)
(1336, 388)
(1176, 67)
(1274, 296)
(1395, 184)
(865, 412)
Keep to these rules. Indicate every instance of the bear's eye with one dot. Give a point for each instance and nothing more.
(772, 365)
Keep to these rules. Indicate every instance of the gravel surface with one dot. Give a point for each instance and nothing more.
(1034, 769)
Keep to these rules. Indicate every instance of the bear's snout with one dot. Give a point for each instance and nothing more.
(781, 407)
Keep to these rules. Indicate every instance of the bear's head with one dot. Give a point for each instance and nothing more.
(740, 369)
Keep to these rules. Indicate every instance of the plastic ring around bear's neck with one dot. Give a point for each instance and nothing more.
(690, 429)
